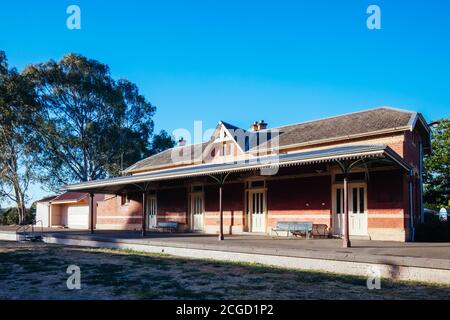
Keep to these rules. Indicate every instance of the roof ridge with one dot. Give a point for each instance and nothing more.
(341, 115)
(225, 123)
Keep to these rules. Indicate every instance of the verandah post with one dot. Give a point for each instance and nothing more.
(144, 220)
(91, 212)
(220, 214)
(346, 242)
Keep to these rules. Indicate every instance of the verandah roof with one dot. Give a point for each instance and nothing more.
(113, 185)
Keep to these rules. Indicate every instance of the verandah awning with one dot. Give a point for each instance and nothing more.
(283, 160)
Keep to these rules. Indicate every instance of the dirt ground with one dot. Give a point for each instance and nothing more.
(38, 271)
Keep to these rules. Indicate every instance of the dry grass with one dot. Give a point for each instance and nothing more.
(38, 271)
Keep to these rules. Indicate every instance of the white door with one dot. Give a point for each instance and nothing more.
(197, 211)
(78, 217)
(357, 209)
(338, 210)
(151, 211)
(257, 211)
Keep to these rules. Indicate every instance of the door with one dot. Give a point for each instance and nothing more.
(338, 210)
(357, 209)
(257, 211)
(151, 211)
(78, 217)
(197, 211)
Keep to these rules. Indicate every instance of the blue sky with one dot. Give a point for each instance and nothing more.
(240, 61)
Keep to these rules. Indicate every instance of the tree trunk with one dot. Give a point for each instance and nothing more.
(20, 203)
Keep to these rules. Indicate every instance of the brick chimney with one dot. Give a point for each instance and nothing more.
(262, 125)
(258, 125)
(181, 142)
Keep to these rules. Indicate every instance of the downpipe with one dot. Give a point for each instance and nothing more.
(411, 214)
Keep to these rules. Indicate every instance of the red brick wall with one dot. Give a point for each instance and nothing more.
(302, 199)
(385, 196)
(172, 205)
(233, 205)
(112, 215)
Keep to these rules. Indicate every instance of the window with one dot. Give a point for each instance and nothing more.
(355, 199)
(226, 149)
(124, 199)
(361, 200)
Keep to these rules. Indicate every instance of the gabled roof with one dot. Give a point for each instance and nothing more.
(230, 126)
(69, 197)
(166, 158)
(338, 128)
(362, 123)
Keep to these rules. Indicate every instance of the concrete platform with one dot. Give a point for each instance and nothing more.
(427, 262)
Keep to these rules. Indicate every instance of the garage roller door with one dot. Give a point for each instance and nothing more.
(78, 217)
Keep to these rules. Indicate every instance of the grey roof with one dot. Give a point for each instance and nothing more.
(165, 157)
(310, 132)
(229, 126)
(344, 126)
(306, 157)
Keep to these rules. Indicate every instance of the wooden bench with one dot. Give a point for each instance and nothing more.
(320, 230)
(295, 228)
(172, 226)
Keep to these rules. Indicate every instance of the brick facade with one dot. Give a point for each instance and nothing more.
(289, 198)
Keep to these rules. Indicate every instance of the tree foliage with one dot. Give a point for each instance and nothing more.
(161, 142)
(437, 168)
(18, 112)
(91, 125)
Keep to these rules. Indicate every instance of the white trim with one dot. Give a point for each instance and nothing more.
(149, 199)
(231, 137)
(262, 191)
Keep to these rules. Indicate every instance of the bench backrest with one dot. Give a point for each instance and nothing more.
(294, 225)
(168, 224)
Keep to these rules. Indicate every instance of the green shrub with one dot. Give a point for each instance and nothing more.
(11, 217)
(435, 231)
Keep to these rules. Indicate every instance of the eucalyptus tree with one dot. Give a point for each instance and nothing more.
(91, 125)
(437, 168)
(18, 116)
